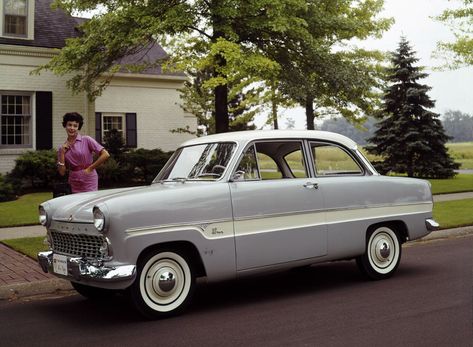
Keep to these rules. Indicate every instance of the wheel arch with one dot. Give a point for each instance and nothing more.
(398, 226)
(187, 248)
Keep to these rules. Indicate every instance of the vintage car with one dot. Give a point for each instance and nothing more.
(230, 205)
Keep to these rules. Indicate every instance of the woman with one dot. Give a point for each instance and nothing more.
(76, 154)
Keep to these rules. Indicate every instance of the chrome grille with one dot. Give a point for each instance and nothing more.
(78, 245)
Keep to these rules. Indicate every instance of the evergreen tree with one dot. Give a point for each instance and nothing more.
(410, 138)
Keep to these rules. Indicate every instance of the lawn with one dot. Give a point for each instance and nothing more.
(28, 245)
(462, 152)
(23, 211)
(454, 213)
(460, 183)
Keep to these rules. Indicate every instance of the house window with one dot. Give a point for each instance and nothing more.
(115, 121)
(15, 120)
(15, 17)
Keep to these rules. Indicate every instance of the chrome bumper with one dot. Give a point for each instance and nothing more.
(432, 225)
(81, 269)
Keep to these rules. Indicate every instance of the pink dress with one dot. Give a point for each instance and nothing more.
(78, 158)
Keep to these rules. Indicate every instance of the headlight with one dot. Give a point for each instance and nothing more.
(99, 219)
(43, 216)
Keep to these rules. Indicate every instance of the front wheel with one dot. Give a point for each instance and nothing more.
(164, 284)
(382, 255)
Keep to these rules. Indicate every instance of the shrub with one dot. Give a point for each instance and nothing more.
(114, 143)
(36, 169)
(6, 190)
(143, 164)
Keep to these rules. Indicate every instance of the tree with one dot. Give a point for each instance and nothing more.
(220, 36)
(324, 73)
(234, 42)
(458, 125)
(460, 52)
(410, 138)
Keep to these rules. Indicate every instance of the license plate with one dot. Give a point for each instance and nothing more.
(60, 264)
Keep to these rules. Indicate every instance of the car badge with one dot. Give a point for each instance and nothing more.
(70, 218)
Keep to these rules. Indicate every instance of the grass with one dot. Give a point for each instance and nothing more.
(28, 245)
(454, 213)
(23, 211)
(460, 183)
(462, 152)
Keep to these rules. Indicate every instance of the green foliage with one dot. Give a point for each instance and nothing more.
(114, 142)
(35, 169)
(410, 138)
(459, 52)
(228, 46)
(134, 167)
(6, 190)
(143, 164)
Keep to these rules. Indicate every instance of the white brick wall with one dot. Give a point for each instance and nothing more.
(157, 107)
(154, 100)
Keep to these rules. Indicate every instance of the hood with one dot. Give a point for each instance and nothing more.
(78, 207)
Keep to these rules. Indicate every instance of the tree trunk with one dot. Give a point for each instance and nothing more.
(221, 109)
(309, 112)
(274, 109)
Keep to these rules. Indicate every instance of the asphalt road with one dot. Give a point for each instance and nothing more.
(427, 303)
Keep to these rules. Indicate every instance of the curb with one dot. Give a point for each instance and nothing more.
(21, 290)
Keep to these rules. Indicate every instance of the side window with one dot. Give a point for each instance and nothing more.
(248, 167)
(331, 160)
(269, 160)
(295, 162)
(268, 167)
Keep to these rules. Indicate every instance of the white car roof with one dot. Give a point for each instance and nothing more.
(247, 136)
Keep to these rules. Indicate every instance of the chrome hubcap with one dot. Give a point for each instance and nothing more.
(167, 281)
(383, 250)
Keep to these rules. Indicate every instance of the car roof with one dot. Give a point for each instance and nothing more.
(251, 135)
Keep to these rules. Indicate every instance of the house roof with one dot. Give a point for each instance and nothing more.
(53, 27)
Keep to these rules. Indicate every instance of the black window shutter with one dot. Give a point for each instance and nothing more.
(131, 138)
(44, 120)
(98, 127)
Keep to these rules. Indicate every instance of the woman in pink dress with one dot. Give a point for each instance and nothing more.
(76, 155)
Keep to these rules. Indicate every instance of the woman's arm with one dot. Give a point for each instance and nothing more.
(61, 164)
(104, 155)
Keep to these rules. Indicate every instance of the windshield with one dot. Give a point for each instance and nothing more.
(200, 162)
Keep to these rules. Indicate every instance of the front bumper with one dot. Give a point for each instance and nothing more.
(80, 269)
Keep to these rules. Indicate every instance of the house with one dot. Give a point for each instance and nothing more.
(144, 107)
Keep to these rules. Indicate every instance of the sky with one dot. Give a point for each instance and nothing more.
(451, 90)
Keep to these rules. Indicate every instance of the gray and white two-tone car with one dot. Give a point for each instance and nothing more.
(234, 204)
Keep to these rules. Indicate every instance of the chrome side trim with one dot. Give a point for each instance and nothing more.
(80, 269)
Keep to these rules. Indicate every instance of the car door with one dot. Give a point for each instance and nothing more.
(277, 209)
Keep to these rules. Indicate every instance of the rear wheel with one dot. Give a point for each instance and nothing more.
(164, 284)
(383, 254)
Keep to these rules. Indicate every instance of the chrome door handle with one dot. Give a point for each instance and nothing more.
(311, 185)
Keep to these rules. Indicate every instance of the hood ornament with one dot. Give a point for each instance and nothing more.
(70, 218)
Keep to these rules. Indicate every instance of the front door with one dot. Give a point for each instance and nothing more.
(278, 211)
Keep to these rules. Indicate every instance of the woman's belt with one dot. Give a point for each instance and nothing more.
(78, 168)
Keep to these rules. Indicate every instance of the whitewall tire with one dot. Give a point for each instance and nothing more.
(382, 255)
(164, 284)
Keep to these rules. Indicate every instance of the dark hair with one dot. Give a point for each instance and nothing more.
(72, 117)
